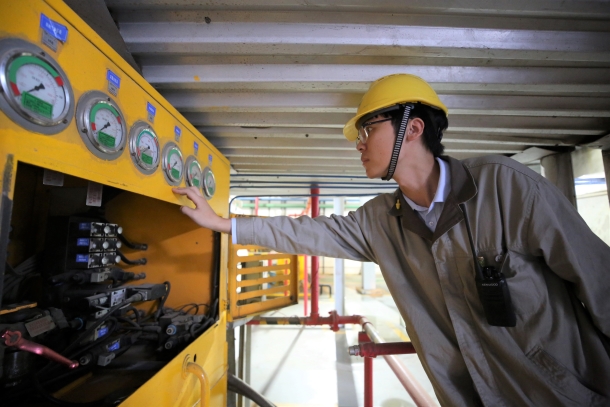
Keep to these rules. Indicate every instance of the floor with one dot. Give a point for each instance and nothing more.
(295, 366)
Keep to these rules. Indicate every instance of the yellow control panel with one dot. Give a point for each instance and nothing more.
(81, 132)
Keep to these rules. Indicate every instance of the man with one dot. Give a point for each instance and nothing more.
(531, 327)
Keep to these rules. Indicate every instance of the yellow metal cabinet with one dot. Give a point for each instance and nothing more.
(178, 251)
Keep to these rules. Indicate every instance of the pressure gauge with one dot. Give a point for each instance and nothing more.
(144, 147)
(209, 182)
(101, 125)
(194, 174)
(35, 91)
(173, 165)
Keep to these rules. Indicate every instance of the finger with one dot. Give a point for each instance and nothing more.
(179, 191)
(192, 194)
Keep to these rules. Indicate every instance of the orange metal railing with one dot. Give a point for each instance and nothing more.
(261, 280)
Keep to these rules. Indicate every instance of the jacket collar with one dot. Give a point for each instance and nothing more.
(463, 188)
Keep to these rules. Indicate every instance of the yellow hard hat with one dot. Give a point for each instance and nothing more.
(389, 91)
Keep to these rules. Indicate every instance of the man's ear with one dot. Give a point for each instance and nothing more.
(415, 129)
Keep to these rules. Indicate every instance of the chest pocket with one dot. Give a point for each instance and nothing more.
(523, 276)
(525, 282)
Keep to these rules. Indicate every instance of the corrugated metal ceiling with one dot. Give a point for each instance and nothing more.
(271, 83)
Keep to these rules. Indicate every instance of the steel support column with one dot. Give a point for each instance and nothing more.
(339, 276)
(558, 170)
(606, 158)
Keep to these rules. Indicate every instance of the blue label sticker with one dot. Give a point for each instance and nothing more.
(177, 131)
(151, 109)
(102, 331)
(195, 147)
(210, 159)
(113, 78)
(57, 30)
(84, 226)
(82, 258)
(116, 345)
(82, 242)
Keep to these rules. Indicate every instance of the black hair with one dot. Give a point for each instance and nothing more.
(435, 123)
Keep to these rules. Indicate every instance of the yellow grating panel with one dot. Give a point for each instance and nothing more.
(261, 280)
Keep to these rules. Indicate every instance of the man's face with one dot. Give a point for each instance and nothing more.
(377, 151)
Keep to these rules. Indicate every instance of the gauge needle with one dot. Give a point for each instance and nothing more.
(35, 88)
(107, 125)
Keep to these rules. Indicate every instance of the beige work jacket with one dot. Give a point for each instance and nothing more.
(557, 272)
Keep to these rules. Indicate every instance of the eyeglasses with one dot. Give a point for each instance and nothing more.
(365, 130)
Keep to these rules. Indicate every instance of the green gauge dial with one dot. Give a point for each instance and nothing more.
(37, 87)
(194, 174)
(107, 126)
(101, 125)
(144, 147)
(35, 92)
(173, 164)
(148, 148)
(209, 182)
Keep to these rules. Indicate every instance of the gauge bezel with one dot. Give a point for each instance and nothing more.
(207, 172)
(83, 123)
(190, 161)
(136, 129)
(170, 145)
(11, 49)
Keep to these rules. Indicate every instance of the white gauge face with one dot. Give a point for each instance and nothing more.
(209, 182)
(195, 176)
(147, 148)
(107, 127)
(144, 147)
(174, 164)
(101, 125)
(39, 91)
(35, 92)
(193, 172)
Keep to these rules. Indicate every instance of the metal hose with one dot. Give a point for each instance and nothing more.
(238, 386)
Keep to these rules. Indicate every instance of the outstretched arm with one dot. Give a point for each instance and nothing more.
(203, 214)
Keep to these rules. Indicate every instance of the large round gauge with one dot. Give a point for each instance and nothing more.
(144, 147)
(194, 174)
(36, 93)
(173, 164)
(101, 125)
(209, 182)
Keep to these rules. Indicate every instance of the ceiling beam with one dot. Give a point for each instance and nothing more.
(333, 102)
(271, 38)
(590, 9)
(338, 120)
(446, 75)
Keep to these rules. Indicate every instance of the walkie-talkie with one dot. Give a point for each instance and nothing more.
(492, 289)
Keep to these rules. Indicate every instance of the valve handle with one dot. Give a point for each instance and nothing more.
(14, 339)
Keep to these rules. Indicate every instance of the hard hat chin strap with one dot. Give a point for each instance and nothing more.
(399, 137)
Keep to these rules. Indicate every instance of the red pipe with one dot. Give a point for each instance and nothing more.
(305, 287)
(417, 393)
(372, 350)
(315, 285)
(368, 382)
(334, 320)
(363, 338)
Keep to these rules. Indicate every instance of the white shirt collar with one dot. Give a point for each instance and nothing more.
(442, 189)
